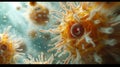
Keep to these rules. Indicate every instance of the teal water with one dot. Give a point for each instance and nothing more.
(10, 16)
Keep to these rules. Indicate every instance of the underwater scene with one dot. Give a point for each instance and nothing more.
(59, 32)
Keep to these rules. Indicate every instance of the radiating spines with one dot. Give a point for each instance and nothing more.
(92, 21)
(9, 48)
(41, 59)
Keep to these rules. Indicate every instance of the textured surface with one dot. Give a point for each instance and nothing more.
(35, 42)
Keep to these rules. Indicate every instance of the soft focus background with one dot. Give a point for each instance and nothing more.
(9, 15)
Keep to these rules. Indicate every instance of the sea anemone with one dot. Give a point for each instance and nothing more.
(10, 48)
(86, 32)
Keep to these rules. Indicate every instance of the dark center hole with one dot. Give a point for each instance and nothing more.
(77, 30)
(3, 47)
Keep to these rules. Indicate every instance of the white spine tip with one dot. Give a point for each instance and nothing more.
(110, 42)
(89, 40)
(7, 29)
(83, 47)
(97, 58)
(108, 30)
(96, 21)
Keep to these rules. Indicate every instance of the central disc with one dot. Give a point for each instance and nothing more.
(77, 30)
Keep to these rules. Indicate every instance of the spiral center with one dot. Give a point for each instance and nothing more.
(77, 30)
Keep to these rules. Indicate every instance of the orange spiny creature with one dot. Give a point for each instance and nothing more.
(32, 33)
(85, 31)
(9, 49)
(37, 13)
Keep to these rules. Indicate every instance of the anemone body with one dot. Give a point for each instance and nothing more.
(86, 31)
(10, 49)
